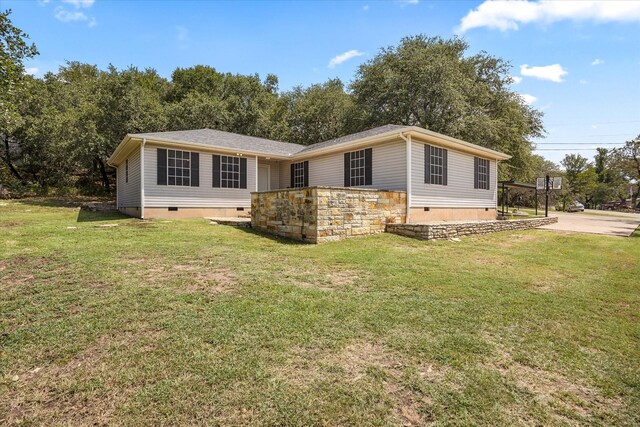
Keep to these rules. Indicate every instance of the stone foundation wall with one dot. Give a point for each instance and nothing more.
(447, 231)
(321, 214)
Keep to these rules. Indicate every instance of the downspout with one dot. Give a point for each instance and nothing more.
(144, 141)
(407, 140)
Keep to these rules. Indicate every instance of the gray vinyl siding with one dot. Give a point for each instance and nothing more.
(204, 196)
(284, 175)
(459, 193)
(129, 192)
(388, 168)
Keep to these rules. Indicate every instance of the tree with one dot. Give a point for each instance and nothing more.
(429, 82)
(319, 112)
(628, 159)
(13, 51)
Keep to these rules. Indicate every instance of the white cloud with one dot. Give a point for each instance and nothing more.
(182, 33)
(365, 7)
(529, 99)
(32, 71)
(67, 16)
(553, 72)
(80, 3)
(406, 2)
(510, 14)
(597, 62)
(64, 15)
(583, 82)
(516, 79)
(344, 57)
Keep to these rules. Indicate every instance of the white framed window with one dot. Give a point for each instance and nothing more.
(229, 172)
(482, 173)
(357, 168)
(178, 168)
(435, 165)
(298, 175)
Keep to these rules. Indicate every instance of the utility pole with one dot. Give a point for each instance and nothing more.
(546, 196)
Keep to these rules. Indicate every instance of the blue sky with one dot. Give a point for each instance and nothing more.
(578, 62)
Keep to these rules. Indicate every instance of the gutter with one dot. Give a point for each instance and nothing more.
(144, 141)
(407, 140)
(306, 153)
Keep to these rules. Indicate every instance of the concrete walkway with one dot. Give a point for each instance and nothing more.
(596, 222)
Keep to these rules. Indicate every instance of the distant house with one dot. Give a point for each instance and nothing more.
(197, 173)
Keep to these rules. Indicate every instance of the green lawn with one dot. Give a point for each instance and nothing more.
(182, 322)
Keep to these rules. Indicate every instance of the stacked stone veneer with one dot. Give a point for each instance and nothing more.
(321, 214)
(443, 231)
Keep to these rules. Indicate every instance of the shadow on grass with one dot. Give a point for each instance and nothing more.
(85, 215)
(63, 202)
(279, 239)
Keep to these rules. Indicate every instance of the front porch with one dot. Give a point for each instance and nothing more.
(322, 214)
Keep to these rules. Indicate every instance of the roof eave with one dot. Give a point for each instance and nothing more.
(458, 143)
(209, 147)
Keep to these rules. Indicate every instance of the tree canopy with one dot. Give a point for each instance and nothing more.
(59, 130)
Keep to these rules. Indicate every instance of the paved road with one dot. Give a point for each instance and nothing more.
(596, 222)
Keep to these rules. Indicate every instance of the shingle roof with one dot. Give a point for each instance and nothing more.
(353, 137)
(219, 138)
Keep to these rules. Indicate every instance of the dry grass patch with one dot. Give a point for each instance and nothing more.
(84, 390)
(323, 281)
(193, 276)
(365, 364)
(568, 401)
(29, 271)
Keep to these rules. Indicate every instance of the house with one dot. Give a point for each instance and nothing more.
(197, 173)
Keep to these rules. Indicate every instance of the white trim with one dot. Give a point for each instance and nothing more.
(117, 190)
(256, 173)
(144, 141)
(407, 140)
(431, 137)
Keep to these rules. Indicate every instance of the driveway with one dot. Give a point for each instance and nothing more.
(596, 222)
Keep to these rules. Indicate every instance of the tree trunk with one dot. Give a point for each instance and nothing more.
(7, 159)
(103, 173)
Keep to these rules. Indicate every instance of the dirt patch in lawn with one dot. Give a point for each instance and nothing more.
(27, 271)
(193, 276)
(568, 401)
(331, 281)
(365, 364)
(84, 390)
(8, 224)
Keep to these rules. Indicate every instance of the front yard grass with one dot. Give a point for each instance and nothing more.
(185, 323)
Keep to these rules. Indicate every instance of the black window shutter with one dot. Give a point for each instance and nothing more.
(306, 173)
(475, 172)
(162, 166)
(488, 175)
(243, 172)
(195, 169)
(444, 167)
(293, 179)
(347, 169)
(216, 171)
(427, 164)
(368, 166)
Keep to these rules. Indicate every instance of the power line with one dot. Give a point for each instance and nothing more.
(595, 124)
(605, 134)
(564, 149)
(579, 143)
